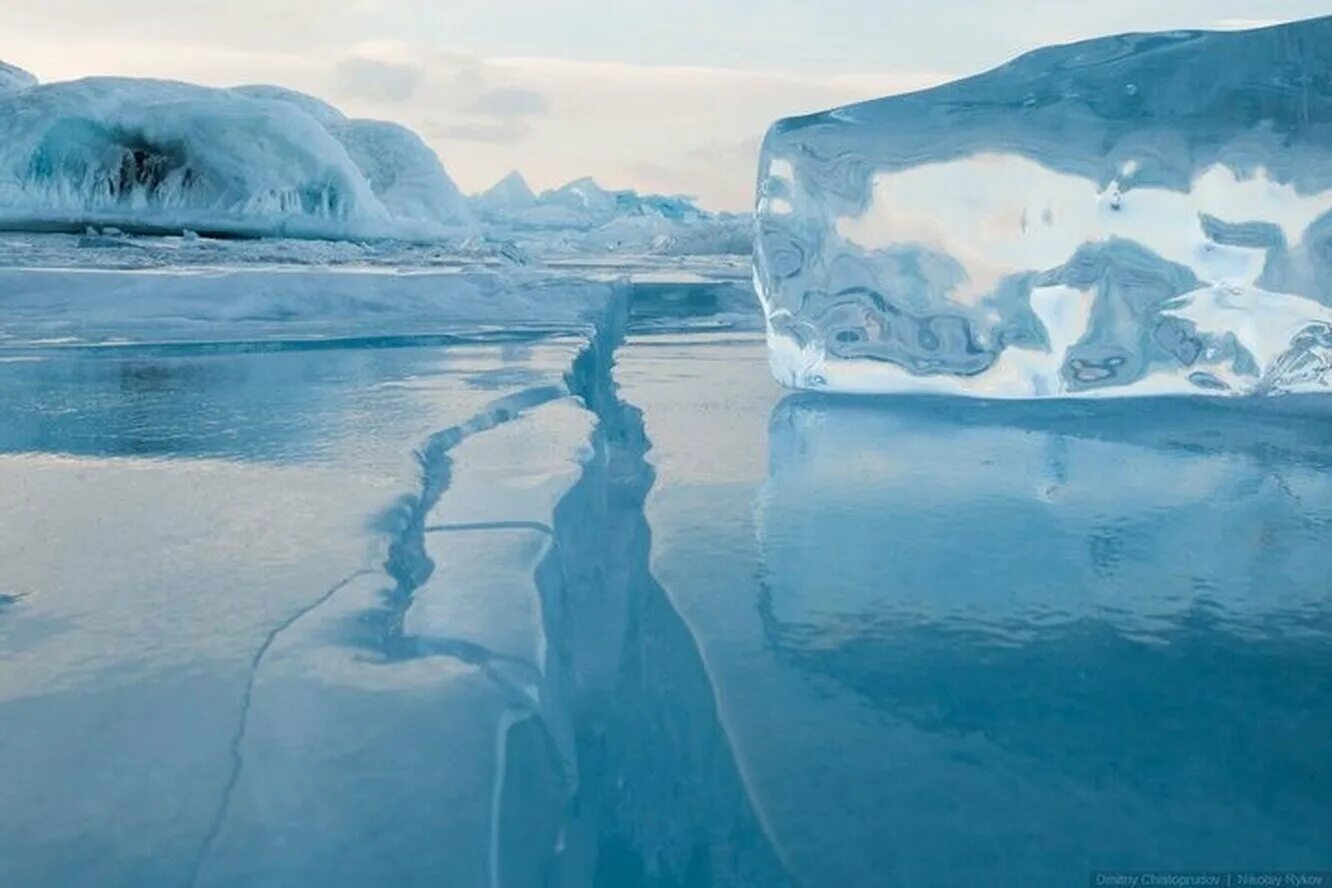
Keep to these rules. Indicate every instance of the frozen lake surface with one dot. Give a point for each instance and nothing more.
(476, 578)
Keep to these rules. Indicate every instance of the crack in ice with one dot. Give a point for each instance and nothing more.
(463, 526)
(238, 738)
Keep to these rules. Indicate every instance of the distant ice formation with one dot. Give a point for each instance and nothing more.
(1143, 214)
(160, 156)
(506, 198)
(581, 216)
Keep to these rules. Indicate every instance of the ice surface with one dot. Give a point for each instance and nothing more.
(383, 600)
(421, 610)
(208, 499)
(301, 307)
(521, 253)
(498, 514)
(150, 293)
(939, 631)
(256, 160)
(1143, 214)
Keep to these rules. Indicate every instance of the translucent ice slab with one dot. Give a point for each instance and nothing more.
(1143, 214)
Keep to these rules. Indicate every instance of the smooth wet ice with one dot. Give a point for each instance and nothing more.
(604, 606)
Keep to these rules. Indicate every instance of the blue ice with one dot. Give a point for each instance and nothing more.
(1142, 214)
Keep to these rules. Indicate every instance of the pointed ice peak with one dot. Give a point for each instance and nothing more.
(511, 192)
(514, 181)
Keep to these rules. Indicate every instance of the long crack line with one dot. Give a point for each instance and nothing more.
(238, 738)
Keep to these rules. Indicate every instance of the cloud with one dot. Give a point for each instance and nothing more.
(723, 171)
(451, 96)
(638, 93)
(510, 102)
(493, 114)
(366, 78)
(674, 129)
(669, 128)
(495, 133)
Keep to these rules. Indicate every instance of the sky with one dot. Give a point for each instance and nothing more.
(670, 96)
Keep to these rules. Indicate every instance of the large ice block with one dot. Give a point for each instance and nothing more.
(1143, 214)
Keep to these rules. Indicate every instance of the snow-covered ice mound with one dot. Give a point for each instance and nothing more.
(13, 79)
(161, 156)
(1143, 214)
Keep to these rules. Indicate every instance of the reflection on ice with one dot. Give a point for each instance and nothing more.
(499, 613)
(258, 404)
(1099, 633)
(1130, 514)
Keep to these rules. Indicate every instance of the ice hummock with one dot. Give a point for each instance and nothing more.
(581, 203)
(1142, 214)
(581, 216)
(509, 195)
(161, 156)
